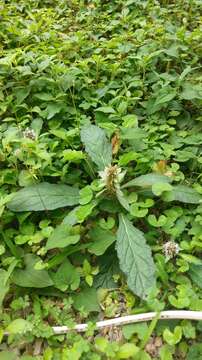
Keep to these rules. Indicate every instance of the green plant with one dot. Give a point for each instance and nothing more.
(134, 255)
(100, 150)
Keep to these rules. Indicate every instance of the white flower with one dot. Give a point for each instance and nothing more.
(29, 133)
(111, 176)
(104, 174)
(170, 249)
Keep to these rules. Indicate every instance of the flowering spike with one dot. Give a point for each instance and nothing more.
(111, 177)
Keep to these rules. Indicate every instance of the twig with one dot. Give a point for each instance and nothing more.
(130, 319)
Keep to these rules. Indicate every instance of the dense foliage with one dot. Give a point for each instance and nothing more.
(101, 191)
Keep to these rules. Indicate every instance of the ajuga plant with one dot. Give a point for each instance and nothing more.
(109, 183)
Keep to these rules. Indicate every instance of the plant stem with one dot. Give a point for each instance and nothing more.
(150, 331)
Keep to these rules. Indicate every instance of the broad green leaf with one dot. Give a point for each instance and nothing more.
(173, 338)
(66, 276)
(65, 134)
(191, 91)
(130, 121)
(188, 329)
(84, 211)
(72, 155)
(160, 99)
(53, 108)
(135, 134)
(62, 236)
(140, 329)
(107, 224)
(108, 267)
(25, 178)
(135, 258)
(195, 352)
(183, 194)
(30, 277)
(71, 218)
(185, 72)
(21, 94)
(106, 109)
(165, 95)
(161, 221)
(195, 272)
(127, 350)
(122, 199)
(19, 326)
(58, 259)
(180, 303)
(44, 196)
(86, 195)
(148, 180)
(183, 155)
(159, 188)
(137, 211)
(126, 158)
(194, 139)
(86, 300)
(122, 107)
(44, 96)
(109, 126)
(101, 343)
(191, 259)
(102, 239)
(97, 145)
(109, 206)
(166, 352)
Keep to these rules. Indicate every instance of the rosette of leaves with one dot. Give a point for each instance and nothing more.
(134, 254)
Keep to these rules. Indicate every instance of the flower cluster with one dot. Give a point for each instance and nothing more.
(29, 133)
(111, 177)
(170, 249)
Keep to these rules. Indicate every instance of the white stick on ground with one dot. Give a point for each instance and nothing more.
(130, 319)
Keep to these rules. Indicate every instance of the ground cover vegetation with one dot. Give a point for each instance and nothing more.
(100, 177)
